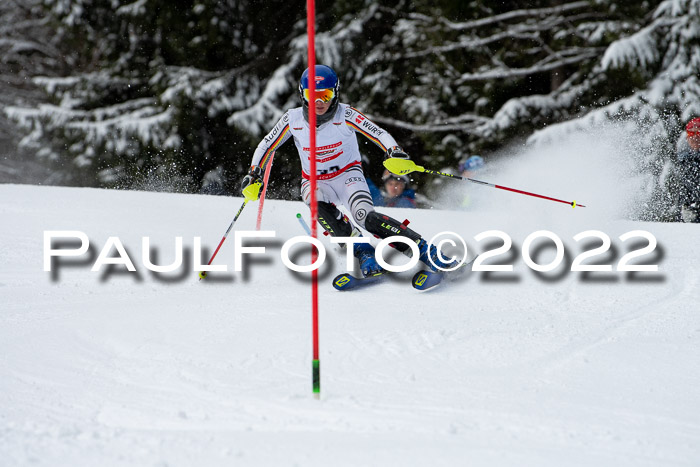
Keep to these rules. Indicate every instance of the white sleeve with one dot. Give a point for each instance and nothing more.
(274, 139)
(358, 122)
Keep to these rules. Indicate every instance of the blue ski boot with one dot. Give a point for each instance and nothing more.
(364, 252)
(436, 265)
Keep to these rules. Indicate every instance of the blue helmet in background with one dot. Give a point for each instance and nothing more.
(471, 163)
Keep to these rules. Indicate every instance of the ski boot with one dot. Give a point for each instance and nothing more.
(432, 258)
(364, 252)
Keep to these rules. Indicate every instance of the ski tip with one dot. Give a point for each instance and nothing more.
(426, 280)
(342, 281)
(347, 281)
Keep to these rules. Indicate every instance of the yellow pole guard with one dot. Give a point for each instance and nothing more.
(252, 191)
(402, 166)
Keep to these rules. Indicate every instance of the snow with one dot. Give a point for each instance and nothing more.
(113, 368)
(639, 49)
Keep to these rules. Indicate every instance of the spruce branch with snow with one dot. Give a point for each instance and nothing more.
(153, 84)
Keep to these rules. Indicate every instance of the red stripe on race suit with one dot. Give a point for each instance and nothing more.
(330, 175)
(326, 159)
(324, 148)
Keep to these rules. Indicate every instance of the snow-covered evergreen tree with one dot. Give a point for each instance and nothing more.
(153, 85)
(28, 47)
(186, 88)
(660, 61)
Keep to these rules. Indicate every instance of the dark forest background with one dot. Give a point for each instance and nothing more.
(174, 95)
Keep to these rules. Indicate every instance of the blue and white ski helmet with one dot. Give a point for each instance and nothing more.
(471, 163)
(325, 78)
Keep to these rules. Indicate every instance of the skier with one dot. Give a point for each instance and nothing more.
(689, 167)
(340, 179)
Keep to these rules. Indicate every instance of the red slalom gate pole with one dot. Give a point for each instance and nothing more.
(310, 32)
(266, 177)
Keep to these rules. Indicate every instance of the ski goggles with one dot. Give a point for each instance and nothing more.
(395, 177)
(324, 95)
(693, 133)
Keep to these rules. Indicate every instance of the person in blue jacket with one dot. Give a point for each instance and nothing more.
(397, 192)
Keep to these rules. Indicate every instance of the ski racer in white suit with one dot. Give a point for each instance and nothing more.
(340, 179)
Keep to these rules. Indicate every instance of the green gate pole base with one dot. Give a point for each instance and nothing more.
(317, 379)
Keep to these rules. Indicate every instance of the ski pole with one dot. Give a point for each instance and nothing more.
(203, 274)
(250, 193)
(303, 223)
(406, 166)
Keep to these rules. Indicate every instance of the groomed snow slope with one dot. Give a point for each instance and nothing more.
(499, 369)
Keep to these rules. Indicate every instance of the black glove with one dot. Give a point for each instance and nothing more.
(396, 152)
(255, 175)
